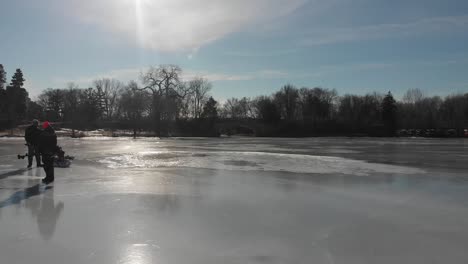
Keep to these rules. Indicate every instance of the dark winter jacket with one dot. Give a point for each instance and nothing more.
(48, 141)
(32, 135)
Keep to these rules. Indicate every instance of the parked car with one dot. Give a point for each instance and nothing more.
(402, 133)
(430, 133)
(451, 133)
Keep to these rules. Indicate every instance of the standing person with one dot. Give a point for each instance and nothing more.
(31, 136)
(47, 148)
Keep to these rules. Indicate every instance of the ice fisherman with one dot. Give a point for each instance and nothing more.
(31, 136)
(48, 148)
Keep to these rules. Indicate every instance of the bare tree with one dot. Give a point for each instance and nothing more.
(317, 103)
(198, 89)
(52, 101)
(238, 108)
(165, 87)
(71, 105)
(230, 109)
(107, 91)
(2, 77)
(413, 96)
(246, 107)
(134, 104)
(265, 109)
(454, 111)
(287, 99)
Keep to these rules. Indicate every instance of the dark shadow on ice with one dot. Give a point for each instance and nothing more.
(24, 194)
(48, 215)
(12, 173)
(45, 210)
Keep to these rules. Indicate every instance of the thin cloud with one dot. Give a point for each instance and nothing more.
(124, 75)
(129, 74)
(371, 32)
(334, 69)
(322, 71)
(254, 54)
(177, 25)
(213, 77)
(263, 74)
(355, 67)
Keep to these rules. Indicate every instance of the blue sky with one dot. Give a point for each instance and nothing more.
(245, 47)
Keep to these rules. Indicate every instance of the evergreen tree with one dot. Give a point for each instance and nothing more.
(210, 110)
(17, 98)
(210, 116)
(389, 113)
(17, 81)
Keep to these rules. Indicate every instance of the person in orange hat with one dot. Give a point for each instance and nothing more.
(47, 148)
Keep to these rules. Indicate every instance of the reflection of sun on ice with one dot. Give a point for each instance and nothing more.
(137, 254)
(248, 161)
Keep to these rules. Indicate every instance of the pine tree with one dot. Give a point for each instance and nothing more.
(17, 98)
(17, 81)
(389, 114)
(209, 116)
(210, 110)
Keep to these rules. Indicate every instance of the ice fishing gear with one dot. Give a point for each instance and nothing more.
(60, 159)
(67, 157)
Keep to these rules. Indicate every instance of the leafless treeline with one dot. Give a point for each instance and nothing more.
(164, 103)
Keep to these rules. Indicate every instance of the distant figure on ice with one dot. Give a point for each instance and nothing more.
(47, 148)
(31, 136)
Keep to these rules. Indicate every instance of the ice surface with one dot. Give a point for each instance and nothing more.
(242, 161)
(238, 200)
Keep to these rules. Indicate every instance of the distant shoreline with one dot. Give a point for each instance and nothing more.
(101, 133)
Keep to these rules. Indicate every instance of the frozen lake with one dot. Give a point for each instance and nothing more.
(239, 200)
